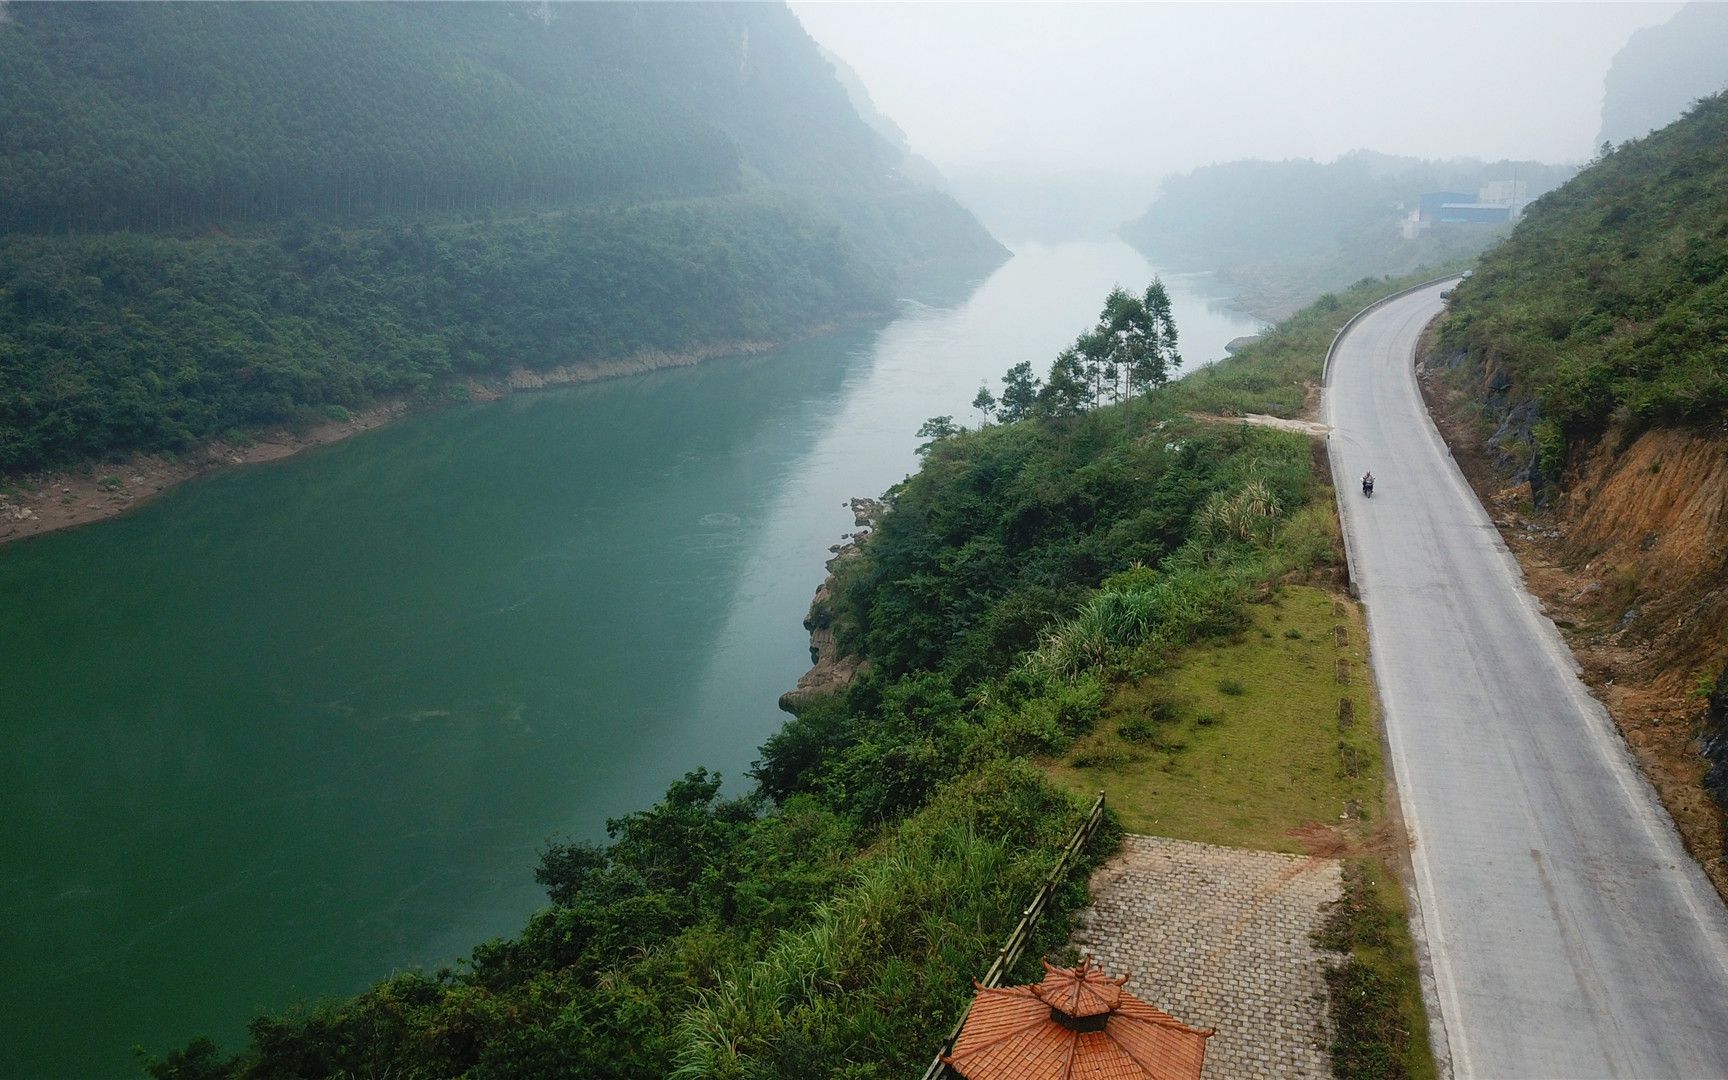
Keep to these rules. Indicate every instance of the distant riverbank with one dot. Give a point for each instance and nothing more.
(43, 502)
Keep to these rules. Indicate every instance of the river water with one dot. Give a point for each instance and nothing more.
(293, 727)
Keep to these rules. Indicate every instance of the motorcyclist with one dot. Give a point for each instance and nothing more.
(1368, 483)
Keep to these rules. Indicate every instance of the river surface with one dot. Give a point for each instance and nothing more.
(292, 727)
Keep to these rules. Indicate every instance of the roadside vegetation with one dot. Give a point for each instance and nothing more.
(1279, 373)
(1242, 742)
(1608, 303)
(1379, 1025)
(1038, 590)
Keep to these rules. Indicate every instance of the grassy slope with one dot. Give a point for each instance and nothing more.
(1244, 747)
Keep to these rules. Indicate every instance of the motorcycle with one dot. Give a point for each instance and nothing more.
(1368, 487)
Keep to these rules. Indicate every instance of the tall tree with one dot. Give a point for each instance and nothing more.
(1019, 392)
(1066, 392)
(1156, 357)
(985, 402)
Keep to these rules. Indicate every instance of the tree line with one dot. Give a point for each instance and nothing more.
(1128, 353)
(118, 343)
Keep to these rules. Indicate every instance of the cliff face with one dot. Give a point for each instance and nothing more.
(833, 669)
(1651, 520)
(1663, 69)
(1648, 524)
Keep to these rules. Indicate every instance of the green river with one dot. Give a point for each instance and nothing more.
(294, 726)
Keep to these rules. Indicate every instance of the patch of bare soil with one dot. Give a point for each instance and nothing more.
(1300, 427)
(1320, 840)
(1631, 563)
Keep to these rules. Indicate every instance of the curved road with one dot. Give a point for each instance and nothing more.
(1569, 933)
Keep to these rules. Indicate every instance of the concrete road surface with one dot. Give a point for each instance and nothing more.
(1569, 933)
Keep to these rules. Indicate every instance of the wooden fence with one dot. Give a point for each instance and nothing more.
(1010, 952)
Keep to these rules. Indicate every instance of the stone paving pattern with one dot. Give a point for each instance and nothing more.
(1220, 937)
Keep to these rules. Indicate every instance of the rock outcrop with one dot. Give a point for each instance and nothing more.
(832, 671)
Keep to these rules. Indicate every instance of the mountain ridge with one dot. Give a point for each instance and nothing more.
(225, 218)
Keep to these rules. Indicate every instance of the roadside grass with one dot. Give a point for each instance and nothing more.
(1238, 743)
(1380, 1030)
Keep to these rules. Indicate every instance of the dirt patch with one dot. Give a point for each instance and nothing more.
(1630, 560)
(1300, 427)
(1319, 840)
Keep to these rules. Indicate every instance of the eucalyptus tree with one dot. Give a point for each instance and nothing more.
(985, 402)
(1066, 392)
(1019, 392)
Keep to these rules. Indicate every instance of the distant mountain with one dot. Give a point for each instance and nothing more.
(225, 216)
(1662, 70)
(142, 115)
(1287, 231)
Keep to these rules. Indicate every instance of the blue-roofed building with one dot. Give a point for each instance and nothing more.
(1428, 205)
(1474, 213)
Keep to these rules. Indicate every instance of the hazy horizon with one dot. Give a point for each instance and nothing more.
(1146, 90)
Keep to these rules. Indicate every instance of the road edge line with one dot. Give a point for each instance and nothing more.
(1418, 882)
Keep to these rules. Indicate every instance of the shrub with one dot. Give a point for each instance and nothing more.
(1138, 729)
(1103, 758)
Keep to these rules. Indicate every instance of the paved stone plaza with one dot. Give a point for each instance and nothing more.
(1219, 937)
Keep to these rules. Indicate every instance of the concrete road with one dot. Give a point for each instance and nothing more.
(1569, 933)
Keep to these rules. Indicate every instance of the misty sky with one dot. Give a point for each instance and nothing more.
(1154, 88)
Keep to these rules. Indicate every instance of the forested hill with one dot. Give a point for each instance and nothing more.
(220, 217)
(1287, 231)
(145, 115)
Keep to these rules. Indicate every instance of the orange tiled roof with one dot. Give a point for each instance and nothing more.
(1016, 1034)
(1080, 991)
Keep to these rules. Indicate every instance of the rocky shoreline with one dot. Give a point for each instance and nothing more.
(32, 504)
(831, 671)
